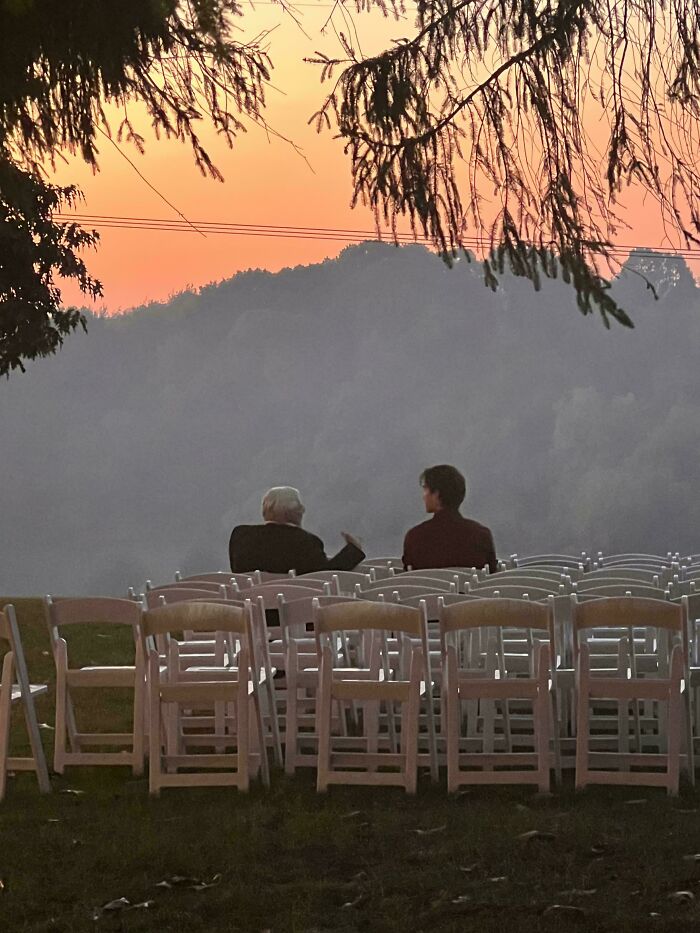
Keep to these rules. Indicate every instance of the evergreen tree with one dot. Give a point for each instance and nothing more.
(61, 61)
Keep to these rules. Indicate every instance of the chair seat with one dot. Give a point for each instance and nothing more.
(34, 689)
(112, 676)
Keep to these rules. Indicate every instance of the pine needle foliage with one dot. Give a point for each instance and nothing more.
(518, 123)
(61, 63)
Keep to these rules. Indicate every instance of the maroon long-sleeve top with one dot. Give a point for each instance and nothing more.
(449, 540)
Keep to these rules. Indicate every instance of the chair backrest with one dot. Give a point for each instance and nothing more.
(625, 589)
(630, 573)
(516, 591)
(242, 580)
(358, 615)
(633, 558)
(178, 594)
(341, 581)
(627, 612)
(496, 613)
(432, 601)
(522, 580)
(295, 615)
(393, 592)
(424, 580)
(269, 592)
(196, 617)
(381, 562)
(97, 609)
(554, 575)
(207, 585)
(549, 560)
(590, 582)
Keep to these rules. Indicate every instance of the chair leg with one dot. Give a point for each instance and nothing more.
(138, 727)
(59, 739)
(582, 728)
(5, 705)
(542, 716)
(154, 740)
(674, 740)
(450, 687)
(409, 736)
(323, 724)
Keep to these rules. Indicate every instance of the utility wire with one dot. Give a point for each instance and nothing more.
(337, 234)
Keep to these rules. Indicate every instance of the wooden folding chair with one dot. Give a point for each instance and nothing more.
(374, 684)
(479, 680)
(653, 645)
(15, 688)
(69, 742)
(235, 687)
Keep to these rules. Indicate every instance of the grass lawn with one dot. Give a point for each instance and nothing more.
(357, 859)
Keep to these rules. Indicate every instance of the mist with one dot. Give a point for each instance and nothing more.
(134, 451)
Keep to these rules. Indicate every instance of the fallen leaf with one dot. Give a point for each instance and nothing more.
(563, 910)
(636, 802)
(361, 897)
(462, 899)
(73, 791)
(691, 810)
(431, 832)
(534, 834)
(144, 905)
(202, 886)
(601, 848)
(2, 885)
(578, 892)
(522, 808)
(498, 878)
(351, 815)
(468, 869)
(695, 857)
(45, 725)
(119, 904)
(681, 897)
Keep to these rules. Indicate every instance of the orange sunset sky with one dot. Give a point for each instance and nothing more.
(266, 181)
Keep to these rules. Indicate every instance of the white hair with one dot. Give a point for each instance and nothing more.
(283, 504)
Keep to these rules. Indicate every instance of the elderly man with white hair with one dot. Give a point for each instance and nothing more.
(281, 544)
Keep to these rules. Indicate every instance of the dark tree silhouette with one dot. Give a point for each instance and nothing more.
(61, 61)
(515, 124)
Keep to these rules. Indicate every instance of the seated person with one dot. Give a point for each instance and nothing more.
(281, 544)
(447, 539)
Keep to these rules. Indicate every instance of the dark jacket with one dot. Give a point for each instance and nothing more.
(279, 548)
(449, 540)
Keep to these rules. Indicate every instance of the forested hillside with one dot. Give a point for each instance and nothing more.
(135, 450)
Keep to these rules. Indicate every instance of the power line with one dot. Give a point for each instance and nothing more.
(331, 234)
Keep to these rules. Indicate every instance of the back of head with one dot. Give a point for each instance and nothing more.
(448, 482)
(283, 504)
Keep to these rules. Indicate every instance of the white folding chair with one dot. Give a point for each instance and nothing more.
(70, 742)
(489, 754)
(653, 648)
(234, 687)
(16, 688)
(375, 685)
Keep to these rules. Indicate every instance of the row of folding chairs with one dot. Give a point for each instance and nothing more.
(188, 677)
(212, 652)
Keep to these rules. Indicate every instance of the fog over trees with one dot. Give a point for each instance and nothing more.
(133, 452)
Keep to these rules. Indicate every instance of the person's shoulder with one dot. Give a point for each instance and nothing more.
(477, 527)
(242, 531)
(419, 528)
